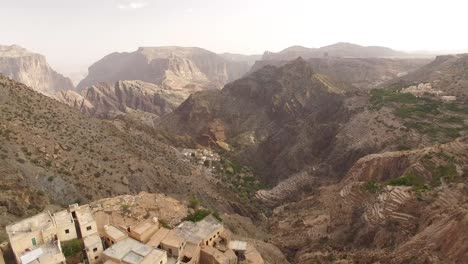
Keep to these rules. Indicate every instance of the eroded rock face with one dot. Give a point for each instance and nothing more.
(32, 70)
(177, 68)
(106, 101)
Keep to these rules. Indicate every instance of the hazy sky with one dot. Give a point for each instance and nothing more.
(75, 33)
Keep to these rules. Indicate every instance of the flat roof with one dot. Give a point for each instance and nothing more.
(63, 218)
(173, 239)
(91, 240)
(196, 232)
(142, 227)
(114, 233)
(156, 239)
(190, 250)
(238, 245)
(122, 248)
(155, 256)
(84, 215)
(42, 221)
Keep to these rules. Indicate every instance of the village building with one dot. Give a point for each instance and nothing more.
(93, 248)
(85, 223)
(36, 239)
(113, 235)
(204, 232)
(173, 244)
(210, 255)
(155, 240)
(144, 230)
(65, 226)
(131, 251)
(239, 248)
(190, 254)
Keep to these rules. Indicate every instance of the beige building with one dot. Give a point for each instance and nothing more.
(173, 244)
(190, 254)
(93, 248)
(65, 226)
(84, 217)
(144, 230)
(131, 251)
(204, 232)
(36, 239)
(113, 235)
(210, 255)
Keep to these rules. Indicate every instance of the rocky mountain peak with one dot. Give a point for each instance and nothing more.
(31, 69)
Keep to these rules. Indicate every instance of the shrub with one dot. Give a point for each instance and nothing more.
(409, 179)
(72, 248)
(197, 216)
(372, 186)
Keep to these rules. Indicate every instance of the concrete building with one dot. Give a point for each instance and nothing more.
(239, 248)
(85, 223)
(93, 248)
(173, 244)
(113, 235)
(35, 238)
(65, 226)
(190, 254)
(131, 251)
(204, 232)
(155, 240)
(144, 230)
(210, 255)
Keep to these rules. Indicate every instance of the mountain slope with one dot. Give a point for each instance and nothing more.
(448, 73)
(365, 73)
(124, 97)
(31, 69)
(175, 68)
(51, 153)
(341, 49)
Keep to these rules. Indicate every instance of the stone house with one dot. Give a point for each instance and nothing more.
(113, 235)
(131, 251)
(85, 223)
(144, 230)
(93, 248)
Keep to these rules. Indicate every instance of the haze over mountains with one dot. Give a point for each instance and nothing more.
(340, 154)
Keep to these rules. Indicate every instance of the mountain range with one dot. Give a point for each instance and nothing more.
(347, 154)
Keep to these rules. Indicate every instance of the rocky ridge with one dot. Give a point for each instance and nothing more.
(31, 69)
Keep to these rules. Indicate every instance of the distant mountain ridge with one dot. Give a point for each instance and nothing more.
(341, 49)
(31, 69)
(178, 68)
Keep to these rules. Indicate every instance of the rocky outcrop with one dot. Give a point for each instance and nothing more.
(177, 68)
(106, 101)
(32, 70)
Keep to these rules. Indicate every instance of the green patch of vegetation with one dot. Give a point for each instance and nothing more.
(381, 97)
(164, 223)
(446, 172)
(50, 178)
(372, 186)
(125, 209)
(409, 179)
(197, 216)
(72, 248)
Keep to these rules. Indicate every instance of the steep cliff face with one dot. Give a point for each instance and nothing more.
(31, 69)
(364, 73)
(177, 68)
(106, 101)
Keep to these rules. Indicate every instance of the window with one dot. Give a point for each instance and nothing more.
(67, 231)
(96, 257)
(88, 228)
(94, 249)
(33, 241)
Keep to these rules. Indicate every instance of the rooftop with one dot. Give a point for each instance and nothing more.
(42, 221)
(195, 232)
(238, 245)
(158, 237)
(130, 250)
(91, 240)
(173, 239)
(43, 254)
(63, 218)
(84, 215)
(114, 233)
